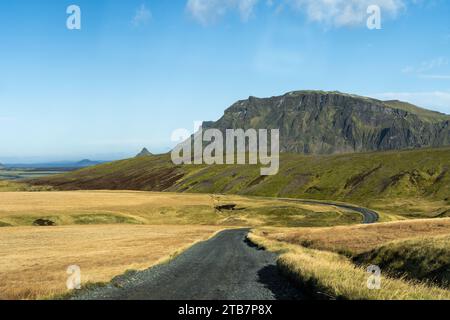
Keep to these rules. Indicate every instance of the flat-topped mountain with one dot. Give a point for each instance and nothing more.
(318, 122)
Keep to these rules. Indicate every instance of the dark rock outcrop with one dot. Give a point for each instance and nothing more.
(44, 223)
(317, 122)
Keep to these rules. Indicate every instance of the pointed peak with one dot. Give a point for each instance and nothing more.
(144, 153)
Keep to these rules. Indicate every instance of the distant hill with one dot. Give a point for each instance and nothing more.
(318, 122)
(87, 163)
(358, 177)
(144, 153)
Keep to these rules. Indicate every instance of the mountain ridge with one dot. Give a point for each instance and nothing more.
(330, 122)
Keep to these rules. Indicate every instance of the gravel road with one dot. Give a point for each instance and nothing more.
(225, 267)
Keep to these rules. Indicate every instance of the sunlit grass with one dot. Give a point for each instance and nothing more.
(322, 272)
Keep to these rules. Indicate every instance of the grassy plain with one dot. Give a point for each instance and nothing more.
(354, 240)
(34, 261)
(133, 207)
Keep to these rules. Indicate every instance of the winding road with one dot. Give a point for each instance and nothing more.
(369, 216)
(226, 267)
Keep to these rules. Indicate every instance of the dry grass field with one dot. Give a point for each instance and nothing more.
(133, 207)
(328, 274)
(411, 208)
(33, 261)
(109, 232)
(359, 238)
(421, 258)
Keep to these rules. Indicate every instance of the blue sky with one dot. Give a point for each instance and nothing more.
(137, 70)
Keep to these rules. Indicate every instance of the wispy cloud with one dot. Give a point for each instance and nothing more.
(142, 16)
(341, 13)
(335, 13)
(209, 11)
(423, 69)
(435, 76)
(426, 66)
(437, 100)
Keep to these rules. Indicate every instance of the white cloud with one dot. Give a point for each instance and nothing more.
(436, 100)
(209, 11)
(336, 13)
(142, 16)
(340, 13)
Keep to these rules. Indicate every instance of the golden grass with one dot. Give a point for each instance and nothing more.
(423, 258)
(411, 208)
(102, 207)
(33, 261)
(24, 202)
(335, 275)
(359, 238)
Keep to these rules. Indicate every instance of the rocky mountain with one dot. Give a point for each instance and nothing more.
(144, 153)
(318, 122)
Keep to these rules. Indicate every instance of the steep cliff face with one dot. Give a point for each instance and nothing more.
(316, 122)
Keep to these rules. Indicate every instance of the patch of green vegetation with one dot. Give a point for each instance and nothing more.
(422, 259)
(69, 219)
(85, 219)
(291, 216)
(28, 220)
(10, 186)
(4, 224)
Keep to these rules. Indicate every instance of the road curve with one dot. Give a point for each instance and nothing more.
(369, 216)
(226, 267)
